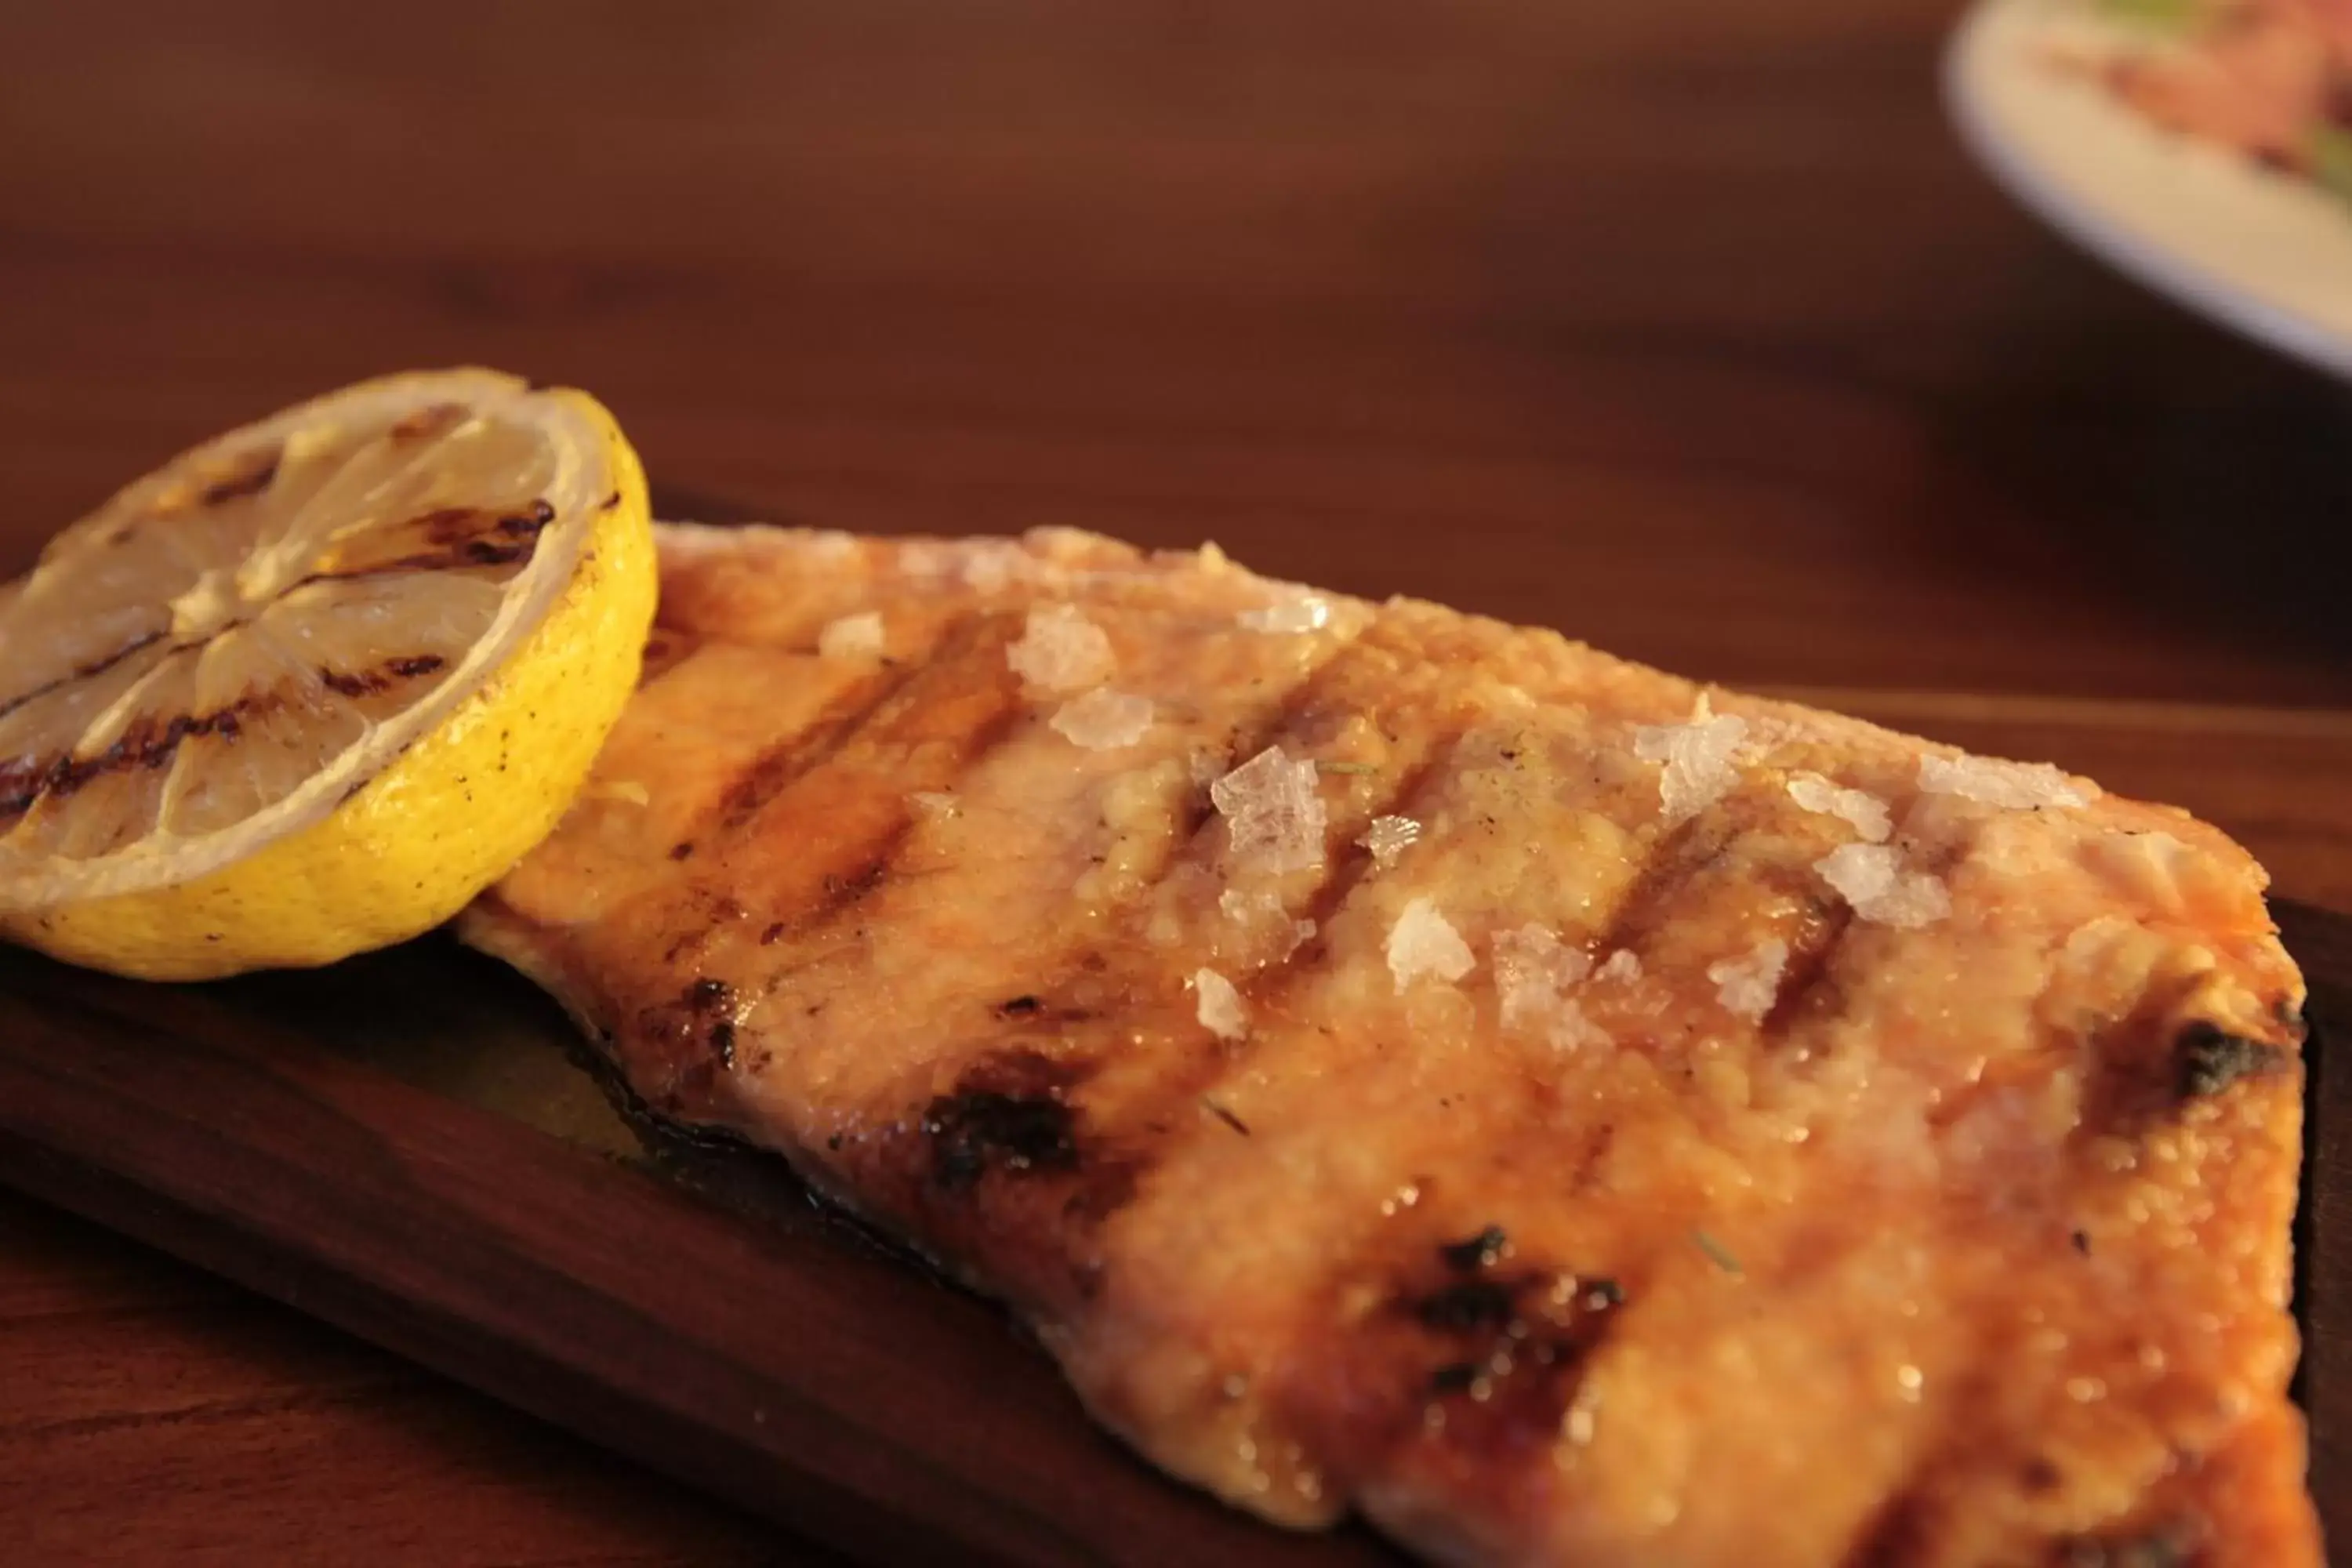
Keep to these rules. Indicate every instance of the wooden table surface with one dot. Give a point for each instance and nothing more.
(1687, 330)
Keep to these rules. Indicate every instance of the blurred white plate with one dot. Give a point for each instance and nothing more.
(2263, 252)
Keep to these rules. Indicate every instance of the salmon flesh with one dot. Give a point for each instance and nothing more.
(1407, 1063)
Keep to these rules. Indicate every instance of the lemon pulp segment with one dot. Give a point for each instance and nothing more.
(310, 686)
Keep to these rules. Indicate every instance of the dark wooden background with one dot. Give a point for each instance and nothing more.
(1682, 326)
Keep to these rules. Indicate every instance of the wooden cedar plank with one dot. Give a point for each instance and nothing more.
(801, 1376)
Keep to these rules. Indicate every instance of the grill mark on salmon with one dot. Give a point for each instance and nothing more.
(1200, 847)
(1812, 991)
(664, 651)
(1009, 1115)
(1194, 1077)
(1809, 984)
(1092, 1191)
(1466, 1368)
(865, 721)
(1267, 1286)
(1526, 1353)
(1674, 856)
(840, 892)
(1108, 1184)
(1899, 1534)
(1009, 1151)
(1346, 872)
(771, 771)
(1188, 1077)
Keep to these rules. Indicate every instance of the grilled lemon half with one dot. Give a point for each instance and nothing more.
(310, 686)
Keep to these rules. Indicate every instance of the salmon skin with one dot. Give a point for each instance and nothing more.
(1407, 1063)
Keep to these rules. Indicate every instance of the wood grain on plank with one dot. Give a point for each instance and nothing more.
(157, 1413)
(835, 1390)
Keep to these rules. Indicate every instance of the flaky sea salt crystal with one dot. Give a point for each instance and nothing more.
(1534, 972)
(1061, 650)
(1261, 910)
(1624, 966)
(1872, 879)
(934, 802)
(1570, 1030)
(1390, 837)
(1103, 720)
(852, 636)
(1296, 613)
(1749, 985)
(2020, 786)
(1218, 1006)
(1425, 942)
(1274, 813)
(1768, 732)
(1700, 759)
(1866, 811)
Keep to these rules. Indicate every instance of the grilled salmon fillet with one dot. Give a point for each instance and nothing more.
(1404, 1063)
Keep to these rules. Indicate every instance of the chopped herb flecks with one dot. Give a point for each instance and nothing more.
(1717, 1253)
(1227, 1116)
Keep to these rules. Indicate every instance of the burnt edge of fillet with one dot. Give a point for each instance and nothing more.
(2208, 1060)
(720, 1163)
(1513, 1347)
(1467, 1308)
(714, 1001)
(1030, 1007)
(1480, 1251)
(1007, 1115)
